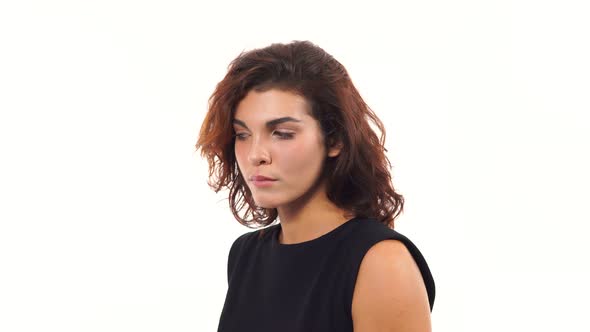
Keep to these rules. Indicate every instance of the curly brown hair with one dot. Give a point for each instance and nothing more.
(358, 179)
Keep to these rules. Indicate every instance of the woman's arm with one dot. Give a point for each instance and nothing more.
(389, 293)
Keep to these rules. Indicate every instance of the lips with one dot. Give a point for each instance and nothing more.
(261, 178)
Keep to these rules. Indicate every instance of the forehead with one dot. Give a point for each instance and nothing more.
(261, 106)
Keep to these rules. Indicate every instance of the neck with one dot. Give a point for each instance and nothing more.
(310, 218)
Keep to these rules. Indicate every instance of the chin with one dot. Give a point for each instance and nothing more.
(266, 205)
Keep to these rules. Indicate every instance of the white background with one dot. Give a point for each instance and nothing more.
(107, 223)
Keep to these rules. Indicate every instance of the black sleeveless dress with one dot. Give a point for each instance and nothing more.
(302, 287)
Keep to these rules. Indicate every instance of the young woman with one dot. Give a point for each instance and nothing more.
(290, 137)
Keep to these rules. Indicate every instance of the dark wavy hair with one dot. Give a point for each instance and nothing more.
(358, 179)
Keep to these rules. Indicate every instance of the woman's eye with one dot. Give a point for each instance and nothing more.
(284, 135)
(240, 136)
(280, 134)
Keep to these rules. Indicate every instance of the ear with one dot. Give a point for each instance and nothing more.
(335, 149)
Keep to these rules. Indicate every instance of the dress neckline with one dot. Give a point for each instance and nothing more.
(304, 244)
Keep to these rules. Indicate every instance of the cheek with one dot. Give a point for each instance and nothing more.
(240, 157)
(239, 152)
(298, 158)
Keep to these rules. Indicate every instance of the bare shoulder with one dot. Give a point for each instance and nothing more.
(389, 293)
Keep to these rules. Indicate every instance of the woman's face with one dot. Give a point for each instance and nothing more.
(277, 139)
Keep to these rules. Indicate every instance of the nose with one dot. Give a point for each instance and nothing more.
(258, 153)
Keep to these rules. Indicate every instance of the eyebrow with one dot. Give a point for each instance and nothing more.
(269, 124)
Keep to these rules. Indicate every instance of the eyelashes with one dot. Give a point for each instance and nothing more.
(283, 135)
